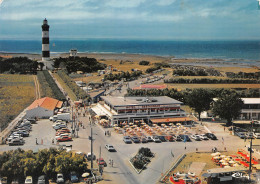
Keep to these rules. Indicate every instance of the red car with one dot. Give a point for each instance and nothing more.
(65, 129)
(101, 161)
(64, 138)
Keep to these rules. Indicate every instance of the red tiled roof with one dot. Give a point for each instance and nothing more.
(151, 86)
(166, 120)
(47, 103)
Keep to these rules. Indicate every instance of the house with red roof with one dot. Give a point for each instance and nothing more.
(43, 108)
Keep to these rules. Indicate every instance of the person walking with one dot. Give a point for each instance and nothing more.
(105, 133)
(36, 142)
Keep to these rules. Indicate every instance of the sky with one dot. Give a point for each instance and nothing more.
(131, 19)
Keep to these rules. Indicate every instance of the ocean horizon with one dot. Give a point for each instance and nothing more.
(235, 51)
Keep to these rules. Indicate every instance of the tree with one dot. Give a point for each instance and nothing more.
(228, 106)
(144, 62)
(199, 100)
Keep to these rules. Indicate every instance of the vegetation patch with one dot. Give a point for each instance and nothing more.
(65, 87)
(17, 164)
(48, 86)
(212, 81)
(79, 92)
(141, 159)
(16, 93)
(123, 75)
(74, 64)
(18, 65)
(144, 62)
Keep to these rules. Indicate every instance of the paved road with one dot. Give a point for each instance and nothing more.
(122, 172)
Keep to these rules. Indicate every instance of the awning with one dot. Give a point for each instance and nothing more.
(167, 120)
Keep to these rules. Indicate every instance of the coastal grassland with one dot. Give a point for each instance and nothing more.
(227, 86)
(93, 78)
(65, 87)
(16, 93)
(237, 69)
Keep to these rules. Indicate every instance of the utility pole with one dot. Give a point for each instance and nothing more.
(91, 141)
(250, 149)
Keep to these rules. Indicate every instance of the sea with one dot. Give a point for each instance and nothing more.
(228, 51)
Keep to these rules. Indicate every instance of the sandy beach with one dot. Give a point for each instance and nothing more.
(133, 59)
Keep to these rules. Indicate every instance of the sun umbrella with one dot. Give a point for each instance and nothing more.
(236, 165)
(217, 157)
(225, 163)
(222, 161)
(227, 166)
(231, 162)
(84, 175)
(215, 154)
(222, 156)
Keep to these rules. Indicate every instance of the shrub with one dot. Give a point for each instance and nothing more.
(144, 62)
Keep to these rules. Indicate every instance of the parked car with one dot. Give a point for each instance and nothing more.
(169, 138)
(185, 137)
(162, 138)
(156, 139)
(73, 177)
(15, 142)
(61, 136)
(242, 135)
(110, 147)
(211, 136)
(3, 180)
(127, 140)
(196, 137)
(135, 139)
(65, 130)
(89, 156)
(101, 161)
(23, 133)
(249, 135)
(60, 178)
(64, 138)
(144, 140)
(28, 180)
(42, 180)
(257, 135)
(204, 137)
(178, 138)
(14, 181)
(149, 139)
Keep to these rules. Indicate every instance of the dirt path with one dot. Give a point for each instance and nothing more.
(37, 88)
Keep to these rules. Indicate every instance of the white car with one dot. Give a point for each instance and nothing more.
(110, 147)
(61, 135)
(196, 137)
(156, 139)
(257, 135)
(60, 178)
(28, 180)
(204, 137)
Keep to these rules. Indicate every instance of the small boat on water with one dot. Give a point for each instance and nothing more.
(184, 178)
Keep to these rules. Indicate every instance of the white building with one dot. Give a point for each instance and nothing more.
(161, 109)
(251, 109)
(73, 52)
(43, 108)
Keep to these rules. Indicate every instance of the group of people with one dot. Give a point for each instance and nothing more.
(107, 133)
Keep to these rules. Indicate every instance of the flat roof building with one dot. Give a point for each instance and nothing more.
(161, 109)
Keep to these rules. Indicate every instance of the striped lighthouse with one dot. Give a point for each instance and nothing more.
(45, 41)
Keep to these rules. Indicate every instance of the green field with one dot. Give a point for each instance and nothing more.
(16, 93)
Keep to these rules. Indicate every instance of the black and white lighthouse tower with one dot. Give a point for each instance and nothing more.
(45, 41)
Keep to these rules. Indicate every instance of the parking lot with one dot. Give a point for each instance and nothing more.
(122, 171)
